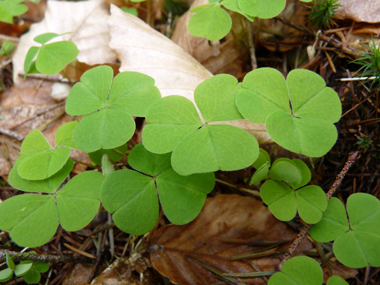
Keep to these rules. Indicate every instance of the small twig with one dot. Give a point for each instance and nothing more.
(357, 78)
(8, 38)
(351, 159)
(253, 192)
(11, 134)
(81, 252)
(251, 44)
(98, 259)
(17, 256)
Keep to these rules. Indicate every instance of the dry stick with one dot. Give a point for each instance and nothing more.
(351, 159)
(17, 256)
(251, 44)
(98, 258)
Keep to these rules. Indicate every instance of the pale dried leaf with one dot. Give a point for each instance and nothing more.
(223, 216)
(86, 20)
(359, 10)
(140, 48)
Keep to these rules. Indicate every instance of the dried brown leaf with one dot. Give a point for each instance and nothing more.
(359, 10)
(222, 217)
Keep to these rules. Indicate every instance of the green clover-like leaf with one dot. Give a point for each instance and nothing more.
(43, 165)
(306, 125)
(33, 219)
(5, 274)
(109, 105)
(299, 270)
(10, 9)
(211, 22)
(22, 269)
(335, 279)
(32, 277)
(40, 161)
(283, 201)
(49, 185)
(64, 135)
(286, 170)
(52, 58)
(233, 5)
(263, 9)
(132, 197)
(357, 245)
(79, 200)
(23, 216)
(174, 125)
(10, 262)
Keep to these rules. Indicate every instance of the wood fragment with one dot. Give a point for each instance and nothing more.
(81, 252)
(17, 256)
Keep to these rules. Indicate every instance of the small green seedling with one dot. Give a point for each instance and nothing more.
(30, 270)
(201, 145)
(131, 196)
(300, 270)
(10, 9)
(284, 193)
(50, 58)
(357, 240)
(213, 22)
(370, 63)
(7, 48)
(322, 12)
(108, 106)
(306, 125)
(33, 275)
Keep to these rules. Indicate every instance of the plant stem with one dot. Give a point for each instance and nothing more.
(251, 44)
(16, 256)
(351, 159)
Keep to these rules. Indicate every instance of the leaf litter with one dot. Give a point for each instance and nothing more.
(227, 221)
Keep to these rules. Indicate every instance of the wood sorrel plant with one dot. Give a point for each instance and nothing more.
(182, 148)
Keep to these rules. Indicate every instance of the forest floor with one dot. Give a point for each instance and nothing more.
(103, 254)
